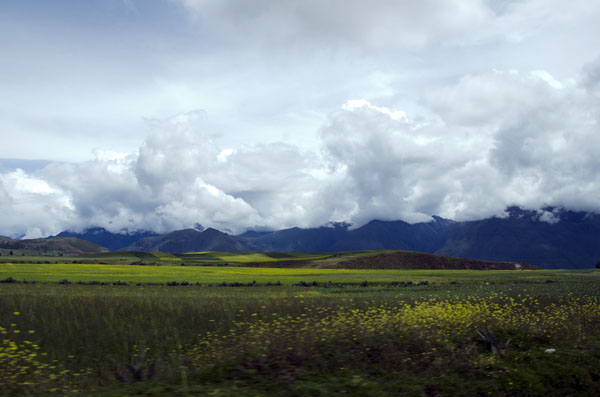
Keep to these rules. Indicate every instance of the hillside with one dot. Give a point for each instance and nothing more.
(380, 259)
(104, 238)
(368, 259)
(570, 240)
(189, 240)
(418, 260)
(67, 246)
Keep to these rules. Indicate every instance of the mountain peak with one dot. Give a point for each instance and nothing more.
(210, 231)
(337, 225)
(439, 219)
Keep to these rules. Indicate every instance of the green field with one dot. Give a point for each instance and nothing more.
(189, 258)
(464, 332)
(217, 274)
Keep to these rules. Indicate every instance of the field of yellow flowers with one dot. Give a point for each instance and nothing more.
(499, 336)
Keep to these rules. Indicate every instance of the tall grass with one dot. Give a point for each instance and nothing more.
(302, 340)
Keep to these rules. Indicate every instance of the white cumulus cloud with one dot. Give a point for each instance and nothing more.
(492, 140)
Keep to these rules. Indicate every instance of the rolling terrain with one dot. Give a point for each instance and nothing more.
(368, 259)
(190, 240)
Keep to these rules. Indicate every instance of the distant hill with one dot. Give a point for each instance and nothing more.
(419, 260)
(189, 240)
(104, 238)
(567, 239)
(67, 246)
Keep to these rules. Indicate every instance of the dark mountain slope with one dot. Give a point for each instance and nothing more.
(570, 240)
(112, 241)
(573, 241)
(322, 239)
(189, 240)
(424, 237)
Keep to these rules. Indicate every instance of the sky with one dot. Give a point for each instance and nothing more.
(262, 115)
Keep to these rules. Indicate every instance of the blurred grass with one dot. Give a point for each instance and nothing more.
(100, 329)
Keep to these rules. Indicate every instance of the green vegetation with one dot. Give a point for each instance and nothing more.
(74, 272)
(166, 257)
(367, 259)
(463, 332)
(190, 258)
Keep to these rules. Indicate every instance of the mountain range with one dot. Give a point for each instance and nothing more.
(565, 239)
(106, 239)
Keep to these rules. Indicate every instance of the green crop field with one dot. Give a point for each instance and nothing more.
(199, 258)
(463, 332)
(252, 256)
(217, 274)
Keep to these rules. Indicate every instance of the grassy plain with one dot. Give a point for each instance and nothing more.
(190, 258)
(54, 272)
(382, 339)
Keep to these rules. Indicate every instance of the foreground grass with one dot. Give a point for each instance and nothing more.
(62, 339)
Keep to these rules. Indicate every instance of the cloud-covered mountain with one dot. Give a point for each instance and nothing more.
(516, 139)
(104, 238)
(549, 238)
(559, 239)
(190, 240)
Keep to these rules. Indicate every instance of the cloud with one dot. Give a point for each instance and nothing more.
(375, 25)
(265, 71)
(160, 188)
(178, 178)
(493, 139)
(31, 206)
(502, 138)
(382, 25)
(519, 20)
(591, 77)
(491, 98)
(543, 133)
(396, 168)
